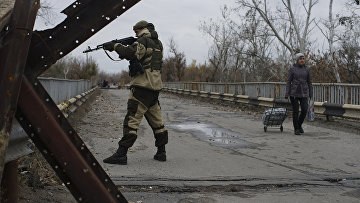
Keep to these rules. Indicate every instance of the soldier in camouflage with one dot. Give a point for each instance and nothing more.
(145, 86)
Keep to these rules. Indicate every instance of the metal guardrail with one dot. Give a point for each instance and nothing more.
(324, 108)
(332, 93)
(18, 143)
(63, 89)
(19, 140)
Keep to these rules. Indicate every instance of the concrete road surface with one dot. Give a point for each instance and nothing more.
(216, 154)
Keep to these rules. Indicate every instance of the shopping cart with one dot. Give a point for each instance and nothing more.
(274, 117)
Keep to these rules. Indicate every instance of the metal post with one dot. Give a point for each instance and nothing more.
(13, 53)
(9, 184)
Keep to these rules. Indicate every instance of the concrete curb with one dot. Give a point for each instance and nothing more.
(324, 108)
(71, 105)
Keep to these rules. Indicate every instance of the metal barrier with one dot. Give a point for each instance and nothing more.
(18, 144)
(59, 90)
(325, 108)
(323, 92)
(63, 89)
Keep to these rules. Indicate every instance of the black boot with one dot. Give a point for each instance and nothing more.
(160, 154)
(301, 130)
(119, 157)
(297, 132)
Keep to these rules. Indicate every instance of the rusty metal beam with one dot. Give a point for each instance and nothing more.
(39, 115)
(36, 112)
(84, 19)
(15, 41)
(9, 186)
(62, 147)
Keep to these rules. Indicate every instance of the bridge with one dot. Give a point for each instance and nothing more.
(216, 153)
(220, 153)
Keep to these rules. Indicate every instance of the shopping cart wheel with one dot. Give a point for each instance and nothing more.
(265, 128)
(281, 128)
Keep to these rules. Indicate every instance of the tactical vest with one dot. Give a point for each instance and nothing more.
(153, 57)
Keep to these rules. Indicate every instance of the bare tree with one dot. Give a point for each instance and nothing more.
(330, 33)
(222, 38)
(349, 49)
(66, 71)
(46, 12)
(167, 70)
(242, 49)
(179, 59)
(174, 66)
(73, 68)
(300, 28)
(258, 52)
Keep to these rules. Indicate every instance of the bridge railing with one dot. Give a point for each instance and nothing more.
(59, 90)
(64, 89)
(333, 93)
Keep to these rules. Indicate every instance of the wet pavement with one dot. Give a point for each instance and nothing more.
(219, 154)
(214, 134)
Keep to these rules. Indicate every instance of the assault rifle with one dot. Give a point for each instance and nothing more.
(123, 41)
(135, 66)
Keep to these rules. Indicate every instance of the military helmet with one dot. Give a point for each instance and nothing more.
(140, 25)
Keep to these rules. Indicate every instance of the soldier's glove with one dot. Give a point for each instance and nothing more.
(109, 46)
(135, 67)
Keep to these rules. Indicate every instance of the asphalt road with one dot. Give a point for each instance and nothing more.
(216, 154)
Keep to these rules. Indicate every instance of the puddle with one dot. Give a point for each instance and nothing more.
(215, 135)
(187, 118)
(228, 115)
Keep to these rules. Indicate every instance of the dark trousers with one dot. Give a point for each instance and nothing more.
(143, 102)
(298, 120)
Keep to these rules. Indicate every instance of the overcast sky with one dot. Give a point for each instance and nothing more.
(172, 18)
(175, 19)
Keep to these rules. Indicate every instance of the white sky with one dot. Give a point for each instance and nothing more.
(172, 18)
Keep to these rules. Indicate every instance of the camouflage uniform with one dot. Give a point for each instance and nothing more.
(145, 87)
